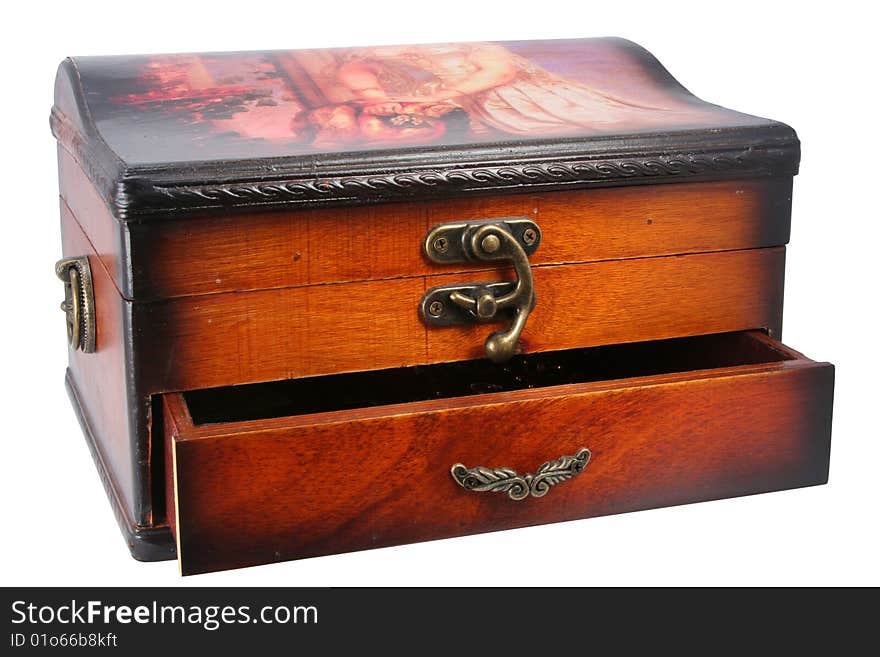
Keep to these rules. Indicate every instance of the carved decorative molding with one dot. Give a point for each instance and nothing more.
(433, 183)
(134, 192)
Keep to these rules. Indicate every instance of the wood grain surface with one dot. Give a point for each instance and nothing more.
(312, 247)
(100, 377)
(309, 247)
(225, 300)
(269, 490)
(227, 339)
(92, 214)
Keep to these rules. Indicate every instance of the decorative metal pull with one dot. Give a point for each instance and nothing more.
(79, 302)
(513, 239)
(519, 487)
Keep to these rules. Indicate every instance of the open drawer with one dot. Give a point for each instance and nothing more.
(291, 469)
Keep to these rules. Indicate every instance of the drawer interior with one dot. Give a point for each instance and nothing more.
(461, 379)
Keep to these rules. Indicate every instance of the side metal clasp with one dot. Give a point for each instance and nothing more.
(513, 239)
(79, 302)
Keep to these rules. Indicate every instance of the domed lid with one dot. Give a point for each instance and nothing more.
(172, 135)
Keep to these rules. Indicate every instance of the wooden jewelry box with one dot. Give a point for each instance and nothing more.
(327, 300)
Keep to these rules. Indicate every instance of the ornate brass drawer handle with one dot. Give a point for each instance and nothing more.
(519, 487)
(79, 302)
(513, 239)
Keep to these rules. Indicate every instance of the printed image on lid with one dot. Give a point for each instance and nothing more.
(351, 99)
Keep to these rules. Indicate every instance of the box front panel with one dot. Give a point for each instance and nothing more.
(238, 299)
(377, 242)
(266, 335)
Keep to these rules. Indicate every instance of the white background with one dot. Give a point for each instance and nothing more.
(811, 65)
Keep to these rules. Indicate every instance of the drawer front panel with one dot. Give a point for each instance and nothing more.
(255, 492)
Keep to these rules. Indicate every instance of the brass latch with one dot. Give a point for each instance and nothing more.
(79, 302)
(514, 239)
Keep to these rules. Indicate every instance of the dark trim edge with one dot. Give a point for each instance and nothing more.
(145, 543)
(174, 190)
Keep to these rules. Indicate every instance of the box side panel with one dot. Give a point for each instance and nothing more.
(95, 219)
(100, 378)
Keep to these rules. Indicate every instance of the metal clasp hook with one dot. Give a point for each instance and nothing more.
(513, 239)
